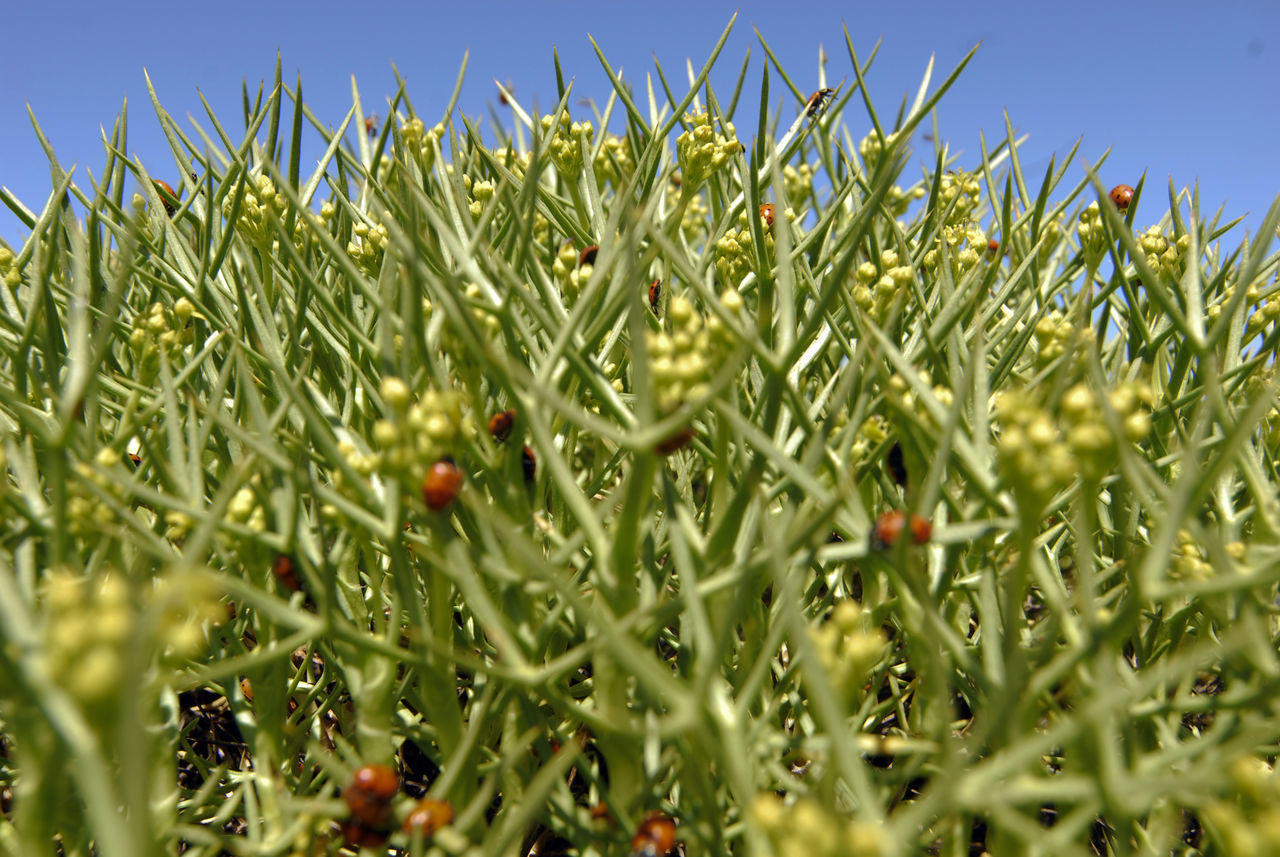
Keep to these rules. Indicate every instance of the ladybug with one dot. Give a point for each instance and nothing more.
(818, 102)
(993, 245)
(897, 467)
(528, 463)
(1121, 195)
(134, 459)
(369, 795)
(429, 815)
(655, 294)
(500, 424)
(588, 255)
(655, 836)
(677, 441)
(247, 689)
(442, 484)
(371, 125)
(162, 188)
(766, 213)
(285, 572)
(889, 527)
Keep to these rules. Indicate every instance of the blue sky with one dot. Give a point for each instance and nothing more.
(1179, 90)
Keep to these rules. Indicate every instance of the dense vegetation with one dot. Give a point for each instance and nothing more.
(629, 480)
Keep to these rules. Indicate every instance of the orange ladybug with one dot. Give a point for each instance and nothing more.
(677, 441)
(134, 459)
(162, 188)
(247, 689)
(429, 815)
(528, 463)
(889, 527)
(443, 482)
(655, 294)
(500, 424)
(588, 255)
(1121, 195)
(993, 244)
(655, 836)
(766, 213)
(369, 795)
(818, 102)
(285, 572)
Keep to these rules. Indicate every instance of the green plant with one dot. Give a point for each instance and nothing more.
(227, 583)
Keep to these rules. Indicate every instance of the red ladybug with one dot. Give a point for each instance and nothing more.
(677, 441)
(655, 294)
(588, 255)
(286, 573)
(371, 125)
(655, 836)
(1121, 195)
(993, 244)
(766, 213)
(135, 459)
(500, 424)
(818, 102)
(429, 815)
(889, 527)
(443, 482)
(369, 795)
(162, 188)
(528, 463)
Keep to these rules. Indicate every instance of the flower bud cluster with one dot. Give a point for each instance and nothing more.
(160, 329)
(873, 432)
(1052, 334)
(1263, 316)
(808, 829)
(872, 149)
(735, 253)
(899, 199)
(420, 142)
(900, 393)
(1190, 560)
(613, 163)
(413, 435)
(571, 276)
(182, 606)
(965, 241)
(1032, 454)
(702, 152)
(966, 192)
(87, 512)
(849, 645)
(1167, 257)
(89, 624)
(1092, 233)
(261, 207)
(797, 182)
(245, 507)
(367, 245)
(877, 286)
(564, 148)
(9, 272)
(684, 359)
(1246, 822)
(1040, 454)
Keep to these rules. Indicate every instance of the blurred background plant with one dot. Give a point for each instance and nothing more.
(633, 482)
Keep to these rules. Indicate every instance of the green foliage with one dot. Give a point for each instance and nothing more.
(235, 568)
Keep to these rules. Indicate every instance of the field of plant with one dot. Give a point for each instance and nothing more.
(622, 480)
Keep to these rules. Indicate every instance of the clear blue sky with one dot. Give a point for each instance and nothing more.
(1176, 89)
